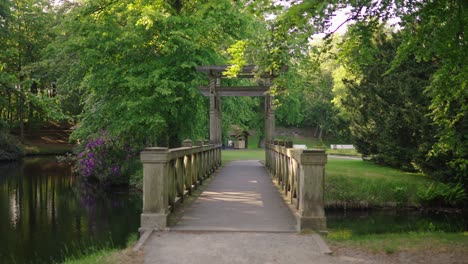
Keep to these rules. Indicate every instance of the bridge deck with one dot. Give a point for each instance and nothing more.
(240, 198)
(251, 224)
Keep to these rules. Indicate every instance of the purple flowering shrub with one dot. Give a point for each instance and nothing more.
(105, 159)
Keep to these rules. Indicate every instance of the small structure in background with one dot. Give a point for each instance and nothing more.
(238, 137)
(297, 146)
(342, 146)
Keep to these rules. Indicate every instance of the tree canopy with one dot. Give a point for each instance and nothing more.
(128, 68)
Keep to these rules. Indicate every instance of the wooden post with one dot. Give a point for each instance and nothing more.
(213, 111)
(218, 113)
(311, 206)
(155, 188)
(269, 119)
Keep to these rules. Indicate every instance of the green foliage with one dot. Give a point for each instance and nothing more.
(430, 54)
(245, 112)
(133, 64)
(10, 147)
(441, 194)
(401, 195)
(308, 100)
(388, 111)
(236, 51)
(439, 38)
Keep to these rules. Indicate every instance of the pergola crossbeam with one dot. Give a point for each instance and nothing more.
(237, 90)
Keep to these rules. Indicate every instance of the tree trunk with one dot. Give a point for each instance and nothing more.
(9, 114)
(21, 118)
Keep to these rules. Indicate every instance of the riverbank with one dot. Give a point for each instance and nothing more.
(51, 141)
(110, 256)
(44, 141)
(401, 248)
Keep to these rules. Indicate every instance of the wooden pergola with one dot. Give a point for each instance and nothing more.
(215, 90)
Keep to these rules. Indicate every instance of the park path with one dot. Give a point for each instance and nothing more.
(239, 218)
(240, 198)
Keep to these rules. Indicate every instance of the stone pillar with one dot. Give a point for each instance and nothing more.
(155, 188)
(269, 119)
(187, 143)
(311, 177)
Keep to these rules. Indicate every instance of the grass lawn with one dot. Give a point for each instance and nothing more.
(357, 181)
(435, 242)
(242, 154)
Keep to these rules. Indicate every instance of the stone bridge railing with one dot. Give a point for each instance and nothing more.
(300, 174)
(169, 175)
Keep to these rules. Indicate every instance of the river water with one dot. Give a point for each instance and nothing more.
(46, 215)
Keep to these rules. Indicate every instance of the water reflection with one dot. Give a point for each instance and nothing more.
(46, 212)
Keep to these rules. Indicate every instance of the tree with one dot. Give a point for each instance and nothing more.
(133, 64)
(432, 31)
(308, 99)
(388, 110)
(25, 32)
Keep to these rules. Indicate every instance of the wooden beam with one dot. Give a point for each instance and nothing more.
(246, 72)
(236, 90)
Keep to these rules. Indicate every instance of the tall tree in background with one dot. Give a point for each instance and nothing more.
(388, 110)
(308, 99)
(133, 63)
(25, 33)
(432, 31)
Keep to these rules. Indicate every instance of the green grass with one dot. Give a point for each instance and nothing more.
(355, 183)
(397, 242)
(104, 255)
(242, 154)
(96, 257)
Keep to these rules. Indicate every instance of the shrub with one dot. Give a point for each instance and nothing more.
(441, 194)
(10, 147)
(106, 159)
